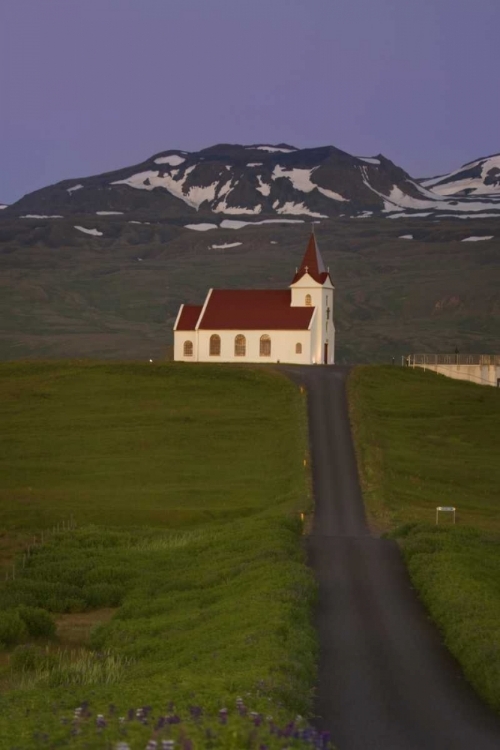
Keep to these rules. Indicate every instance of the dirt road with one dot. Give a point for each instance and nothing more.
(386, 682)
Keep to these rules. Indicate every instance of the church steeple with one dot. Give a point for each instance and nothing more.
(312, 263)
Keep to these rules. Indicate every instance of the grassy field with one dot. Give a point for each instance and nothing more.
(184, 579)
(424, 440)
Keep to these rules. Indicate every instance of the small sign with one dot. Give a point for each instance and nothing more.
(445, 507)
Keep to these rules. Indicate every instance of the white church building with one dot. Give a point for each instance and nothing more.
(293, 325)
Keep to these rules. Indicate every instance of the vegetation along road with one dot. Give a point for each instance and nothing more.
(385, 679)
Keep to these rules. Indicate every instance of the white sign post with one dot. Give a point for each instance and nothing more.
(444, 509)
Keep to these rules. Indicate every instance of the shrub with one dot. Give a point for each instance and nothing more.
(38, 621)
(12, 628)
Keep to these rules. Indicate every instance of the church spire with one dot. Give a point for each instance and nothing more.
(312, 262)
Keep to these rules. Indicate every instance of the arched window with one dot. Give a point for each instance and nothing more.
(298, 348)
(188, 348)
(214, 345)
(265, 346)
(240, 345)
(308, 300)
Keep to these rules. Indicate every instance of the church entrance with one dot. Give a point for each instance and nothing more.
(325, 360)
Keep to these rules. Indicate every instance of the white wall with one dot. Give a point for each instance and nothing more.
(480, 374)
(179, 338)
(282, 346)
(322, 297)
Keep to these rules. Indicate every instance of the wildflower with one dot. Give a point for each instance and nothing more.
(167, 744)
(152, 745)
(196, 712)
(100, 722)
(223, 716)
(122, 746)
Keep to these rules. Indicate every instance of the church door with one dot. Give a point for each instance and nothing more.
(326, 353)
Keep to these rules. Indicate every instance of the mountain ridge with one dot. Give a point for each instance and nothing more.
(264, 180)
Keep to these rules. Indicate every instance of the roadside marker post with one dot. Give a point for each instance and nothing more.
(445, 509)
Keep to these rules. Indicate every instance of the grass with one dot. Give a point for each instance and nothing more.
(424, 440)
(185, 484)
(143, 444)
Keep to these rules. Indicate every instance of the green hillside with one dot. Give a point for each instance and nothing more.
(424, 440)
(64, 294)
(184, 580)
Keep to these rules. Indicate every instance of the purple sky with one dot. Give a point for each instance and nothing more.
(91, 85)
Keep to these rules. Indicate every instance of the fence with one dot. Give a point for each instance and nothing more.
(454, 359)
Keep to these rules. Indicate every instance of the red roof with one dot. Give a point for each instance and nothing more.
(254, 309)
(312, 263)
(189, 317)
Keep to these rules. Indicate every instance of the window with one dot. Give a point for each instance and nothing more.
(240, 345)
(298, 348)
(214, 345)
(265, 346)
(188, 348)
(308, 300)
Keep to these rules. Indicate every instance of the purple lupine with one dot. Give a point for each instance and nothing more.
(242, 709)
(100, 722)
(152, 745)
(167, 745)
(187, 744)
(130, 714)
(122, 746)
(223, 716)
(196, 712)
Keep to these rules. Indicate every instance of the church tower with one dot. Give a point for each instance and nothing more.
(313, 287)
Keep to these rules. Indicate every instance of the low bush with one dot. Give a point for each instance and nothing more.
(12, 628)
(38, 621)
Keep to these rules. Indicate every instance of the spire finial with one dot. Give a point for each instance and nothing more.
(312, 228)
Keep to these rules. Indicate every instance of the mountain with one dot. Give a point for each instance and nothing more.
(98, 266)
(264, 181)
(478, 178)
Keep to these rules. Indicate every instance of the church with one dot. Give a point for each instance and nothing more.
(293, 325)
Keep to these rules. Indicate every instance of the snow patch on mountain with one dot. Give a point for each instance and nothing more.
(94, 232)
(405, 237)
(263, 187)
(223, 208)
(255, 164)
(194, 196)
(272, 149)
(404, 215)
(225, 245)
(173, 160)
(2, 206)
(234, 224)
(298, 208)
(74, 188)
(487, 182)
(41, 216)
(301, 180)
(368, 159)
(478, 239)
(203, 227)
(109, 213)
(464, 216)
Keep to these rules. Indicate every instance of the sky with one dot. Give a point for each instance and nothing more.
(87, 86)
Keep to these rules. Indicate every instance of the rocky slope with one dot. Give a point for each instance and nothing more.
(263, 182)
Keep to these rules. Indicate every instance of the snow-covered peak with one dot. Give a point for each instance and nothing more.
(172, 160)
(479, 177)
